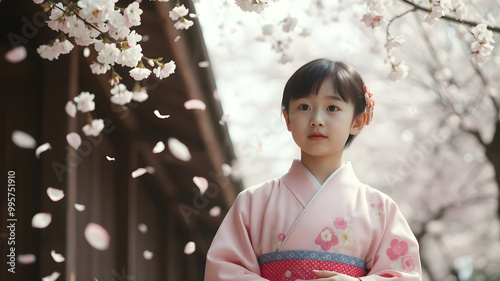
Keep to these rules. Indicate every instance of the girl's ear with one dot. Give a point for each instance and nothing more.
(358, 123)
(287, 119)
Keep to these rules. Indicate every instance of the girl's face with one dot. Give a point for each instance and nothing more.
(320, 124)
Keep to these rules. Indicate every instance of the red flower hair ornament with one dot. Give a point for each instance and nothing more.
(370, 104)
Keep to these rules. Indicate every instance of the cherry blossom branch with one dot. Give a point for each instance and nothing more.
(448, 18)
(397, 17)
(69, 5)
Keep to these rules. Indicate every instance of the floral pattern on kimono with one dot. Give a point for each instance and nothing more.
(337, 233)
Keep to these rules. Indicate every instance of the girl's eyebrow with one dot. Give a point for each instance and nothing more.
(336, 97)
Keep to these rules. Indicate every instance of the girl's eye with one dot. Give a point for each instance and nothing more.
(304, 107)
(332, 108)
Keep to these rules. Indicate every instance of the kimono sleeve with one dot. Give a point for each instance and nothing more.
(396, 255)
(231, 255)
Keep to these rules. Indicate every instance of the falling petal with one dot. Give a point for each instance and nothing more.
(52, 277)
(16, 54)
(74, 140)
(215, 211)
(41, 220)
(193, 16)
(201, 183)
(195, 104)
(216, 94)
(70, 109)
(159, 147)
(159, 115)
(23, 140)
(226, 169)
(150, 170)
(139, 172)
(189, 248)
(110, 158)
(56, 256)
(97, 236)
(26, 259)
(42, 148)
(224, 119)
(55, 194)
(148, 255)
(79, 207)
(178, 149)
(260, 147)
(142, 228)
(177, 38)
(86, 52)
(203, 64)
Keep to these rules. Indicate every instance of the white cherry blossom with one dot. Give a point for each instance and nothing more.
(183, 24)
(130, 57)
(94, 129)
(120, 95)
(140, 95)
(372, 20)
(76, 27)
(99, 68)
(165, 70)
(85, 102)
(109, 54)
(132, 14)
(178, 12)
(49, 52)
(399, 71)
(289, 24)
(133, 38)
(139, 73)
(461, 11)
(394, 42)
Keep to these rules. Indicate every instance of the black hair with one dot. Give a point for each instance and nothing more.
(308, 79)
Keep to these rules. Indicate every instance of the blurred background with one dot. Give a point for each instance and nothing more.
(434, 144)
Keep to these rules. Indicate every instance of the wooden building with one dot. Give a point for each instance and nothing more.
(34, 93)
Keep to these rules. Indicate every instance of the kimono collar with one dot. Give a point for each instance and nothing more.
(299, 182)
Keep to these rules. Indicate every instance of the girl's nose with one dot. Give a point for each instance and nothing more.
(317, 120)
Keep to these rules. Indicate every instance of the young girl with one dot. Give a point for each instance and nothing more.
(318, 221)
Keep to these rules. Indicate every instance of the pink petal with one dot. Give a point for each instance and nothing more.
(16, 55)
(216, 94)
(203, 64)
(79, 207)
(178, 149)
(215, 211)
(201, 183)
(226, 169)
(139, 172)
(110, 158)
(189, 248)
(159, 147)
(97, 236)
(147, 255)
(193, 16)
(41, 220)
(55, 194)
(57, 257)
(23, 140)
(177, 38)
(42, 148)
(159, 115)
(195, 104)
(74, 140)
(26, 259)
(150, 170)
(142, 228)
(70, 109)
(52, 277)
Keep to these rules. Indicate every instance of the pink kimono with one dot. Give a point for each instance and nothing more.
(285, 228)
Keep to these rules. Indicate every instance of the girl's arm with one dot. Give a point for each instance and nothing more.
(396, 256)
(231, 255)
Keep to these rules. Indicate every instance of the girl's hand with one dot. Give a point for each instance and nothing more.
(325, 275)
